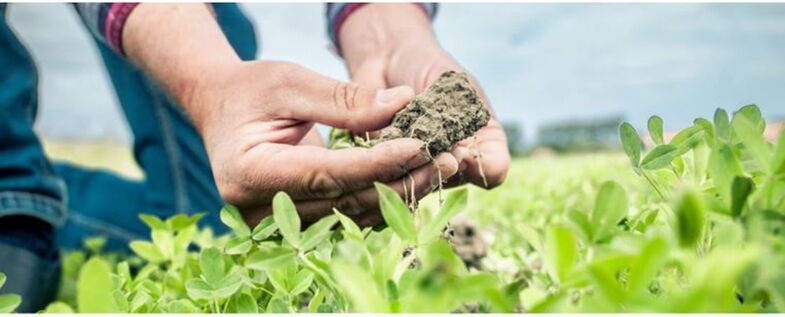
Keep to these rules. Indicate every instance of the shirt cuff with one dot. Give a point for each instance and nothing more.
(337, 13)
(116, 17)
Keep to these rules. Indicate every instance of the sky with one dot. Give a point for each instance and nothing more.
(539, 63)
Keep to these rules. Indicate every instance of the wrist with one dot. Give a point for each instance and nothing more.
(372, 32)
(181, 46)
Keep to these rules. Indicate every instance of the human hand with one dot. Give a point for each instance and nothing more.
(387, 45)
(256, 115)
(254, 119)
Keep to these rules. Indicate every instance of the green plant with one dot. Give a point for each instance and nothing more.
(696, 225)
(8, 302)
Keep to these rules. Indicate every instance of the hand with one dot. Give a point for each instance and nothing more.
(255, 117)
(258, 114)
(389, 45)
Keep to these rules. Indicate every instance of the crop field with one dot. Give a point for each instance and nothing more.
(695, 224)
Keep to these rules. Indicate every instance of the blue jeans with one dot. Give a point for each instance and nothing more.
(82, 202)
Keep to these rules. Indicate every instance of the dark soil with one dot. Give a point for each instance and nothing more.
(447, 112)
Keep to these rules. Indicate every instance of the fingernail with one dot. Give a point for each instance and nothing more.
(393, 95)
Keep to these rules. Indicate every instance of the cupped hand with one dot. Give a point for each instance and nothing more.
(255, 120)
(408, 54)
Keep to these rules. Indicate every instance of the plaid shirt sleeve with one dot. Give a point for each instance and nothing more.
(337, 13)
(106, 21)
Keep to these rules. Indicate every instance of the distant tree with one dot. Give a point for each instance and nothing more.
(515, 137)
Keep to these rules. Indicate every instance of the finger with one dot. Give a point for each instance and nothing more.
(309, 172)
(419, 182)
(487, 157)
(312, 97)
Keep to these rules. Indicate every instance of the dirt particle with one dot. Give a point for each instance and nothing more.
(448, 111)
(469, 246)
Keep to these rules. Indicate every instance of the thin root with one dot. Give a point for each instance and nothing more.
(413, 205)
(439, 174)
(478, 156)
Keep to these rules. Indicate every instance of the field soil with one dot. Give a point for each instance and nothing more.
(447, 112)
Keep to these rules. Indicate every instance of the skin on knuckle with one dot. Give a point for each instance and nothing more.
(321, 183)
(349, 204)
(345, 100)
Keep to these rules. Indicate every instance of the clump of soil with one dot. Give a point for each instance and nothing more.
(467, 242)
(447, 112)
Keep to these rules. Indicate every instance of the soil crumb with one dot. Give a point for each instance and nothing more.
(467, 242)
(448, 111)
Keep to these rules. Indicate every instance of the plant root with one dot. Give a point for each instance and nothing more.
(477, 154)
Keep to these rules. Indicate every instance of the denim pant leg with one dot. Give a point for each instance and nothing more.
(166, 146)
(28, 185)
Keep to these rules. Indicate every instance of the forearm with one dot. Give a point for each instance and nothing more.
(177, 45)
(375, 30)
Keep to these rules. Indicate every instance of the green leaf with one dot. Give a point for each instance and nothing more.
(688, 138)
(278, 278)
(723, 167)
(198, 289)
(580, 220)
(707, 126)
(318, 231)
(752, 113)
(246, 304)
(277, 306)
(455, 203)
(94, 288)
(741, 188)
(655, 130)
(2, 279)
(439, 255)
(120, 301)
(753, 141)
(778, 162)
(610, 207)
(270, 258)
(396, 214)
(285, 215)
(561, 251)
(57, 308)
(317, 300)
(181, 306)
(722, 124)
(300, 283)
(350, 228)
(231, 217)
(153, 222)
(359, 287)
(691, 219)
(94, 244)
(9, 303)
(164, 241)
(653, 255)
(264, 229)
(182, 221)
(212, 265)
(631, 142)
(228, 286)
(238, 245)
(660, 157)
(140, 300)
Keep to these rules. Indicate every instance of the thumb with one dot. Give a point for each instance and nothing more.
(347, 105)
